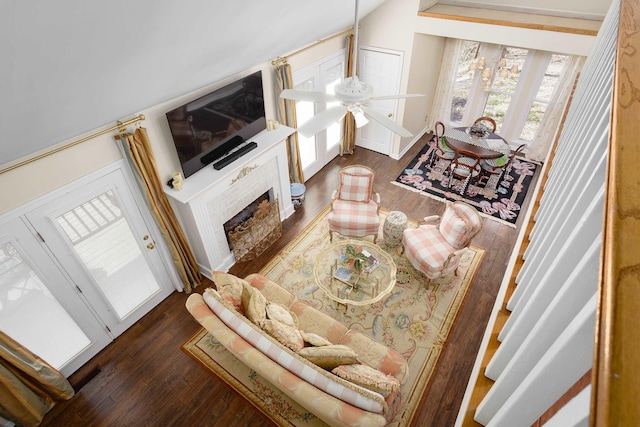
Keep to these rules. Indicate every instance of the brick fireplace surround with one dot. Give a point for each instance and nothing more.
(211, 197)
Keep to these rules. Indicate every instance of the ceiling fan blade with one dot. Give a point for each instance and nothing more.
(322, 120)
(409, 95)
(386, 122)
(307, 95)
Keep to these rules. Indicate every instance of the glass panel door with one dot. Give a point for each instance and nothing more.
(101, 239)
(39, 307)
(319, 149)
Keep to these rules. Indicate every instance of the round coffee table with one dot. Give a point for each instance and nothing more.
(358, 289)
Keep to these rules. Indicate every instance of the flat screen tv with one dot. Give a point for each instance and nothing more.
(217, 123)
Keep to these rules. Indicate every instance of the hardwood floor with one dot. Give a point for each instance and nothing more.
(144, 379)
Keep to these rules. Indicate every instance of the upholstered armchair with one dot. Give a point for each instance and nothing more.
(354, 205)
(436, 247)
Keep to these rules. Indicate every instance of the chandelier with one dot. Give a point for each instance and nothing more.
(486, 70)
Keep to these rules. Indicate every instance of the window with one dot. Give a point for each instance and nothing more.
(512, 85)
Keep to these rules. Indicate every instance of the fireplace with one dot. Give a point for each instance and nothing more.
(256, 227)
(212, 197)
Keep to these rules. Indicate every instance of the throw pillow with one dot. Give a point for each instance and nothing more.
(255, 305)
(368, 377)
(229, 287)
(356, 184)
(282, 314)
(286, 335)
(453, 227)
(314, 339)
(329, 356)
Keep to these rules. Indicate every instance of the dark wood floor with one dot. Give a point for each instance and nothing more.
(144, 379)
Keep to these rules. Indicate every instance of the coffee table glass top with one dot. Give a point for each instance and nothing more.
(358, 289)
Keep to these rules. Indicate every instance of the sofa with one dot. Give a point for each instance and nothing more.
(357, 386)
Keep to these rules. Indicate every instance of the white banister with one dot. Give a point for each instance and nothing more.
(546, 343)
(568, 359)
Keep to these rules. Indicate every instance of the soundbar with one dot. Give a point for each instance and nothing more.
(223, 149)
(234, 156)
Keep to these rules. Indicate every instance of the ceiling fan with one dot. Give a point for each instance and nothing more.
(353, 95)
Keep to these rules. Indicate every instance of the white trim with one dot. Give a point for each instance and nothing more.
(415, 139)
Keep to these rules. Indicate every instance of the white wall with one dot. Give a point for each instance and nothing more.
(394, 25)
(40, 177)
(35, 179)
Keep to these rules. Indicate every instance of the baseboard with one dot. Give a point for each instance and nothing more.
(411, 144)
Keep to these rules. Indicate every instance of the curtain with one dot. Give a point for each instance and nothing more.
(29, 386)
(539, 148)
(137, 149)
(287, 116)
(348, 142)
(441, 106)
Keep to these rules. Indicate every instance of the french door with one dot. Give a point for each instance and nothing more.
(78, 269)
(319, 149)
(39, 307)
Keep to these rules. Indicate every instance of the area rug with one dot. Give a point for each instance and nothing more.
(415, 320)
(500, 201)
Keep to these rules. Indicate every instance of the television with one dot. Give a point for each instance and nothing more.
(208, 128)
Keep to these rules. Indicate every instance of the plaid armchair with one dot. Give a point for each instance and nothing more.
(436, 248)
(355, 206)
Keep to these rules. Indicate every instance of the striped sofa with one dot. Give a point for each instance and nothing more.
(331, 398)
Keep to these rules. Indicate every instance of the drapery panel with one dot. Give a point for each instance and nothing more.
(539, 148)
(287, 116)
(137, 149)
(441, 105)
(348, 142)
(29, 386)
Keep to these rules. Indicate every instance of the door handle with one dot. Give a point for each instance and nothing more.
(150, 245)
(390, 115)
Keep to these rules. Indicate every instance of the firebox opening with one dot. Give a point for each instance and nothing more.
(246, 214)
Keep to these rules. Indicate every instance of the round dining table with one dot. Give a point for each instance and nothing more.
(493, 146)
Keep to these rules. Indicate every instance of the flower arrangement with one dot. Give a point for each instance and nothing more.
(354, 258)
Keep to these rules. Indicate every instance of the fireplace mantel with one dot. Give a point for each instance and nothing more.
(211, 197)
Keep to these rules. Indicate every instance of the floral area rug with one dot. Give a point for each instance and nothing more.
(415, 320)
(499, 201)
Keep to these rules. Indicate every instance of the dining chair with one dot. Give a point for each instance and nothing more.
(355, 205)
(488, 122)
(442, 150)
(498, 167)
(465, 165)
(436, 246)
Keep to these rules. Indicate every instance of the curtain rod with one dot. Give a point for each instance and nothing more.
(283, 59)
(118, 126)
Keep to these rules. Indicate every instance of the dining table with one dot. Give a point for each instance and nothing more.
(490, 147)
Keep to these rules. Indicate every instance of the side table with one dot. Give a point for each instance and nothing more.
(393, 227)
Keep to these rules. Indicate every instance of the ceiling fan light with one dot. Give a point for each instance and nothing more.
(360, 118)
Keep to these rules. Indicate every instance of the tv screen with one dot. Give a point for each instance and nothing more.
(204, 125)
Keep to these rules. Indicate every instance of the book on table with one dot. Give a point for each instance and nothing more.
(372, 261)
(343, 274)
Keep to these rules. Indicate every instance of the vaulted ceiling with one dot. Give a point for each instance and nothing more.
(68, 67)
